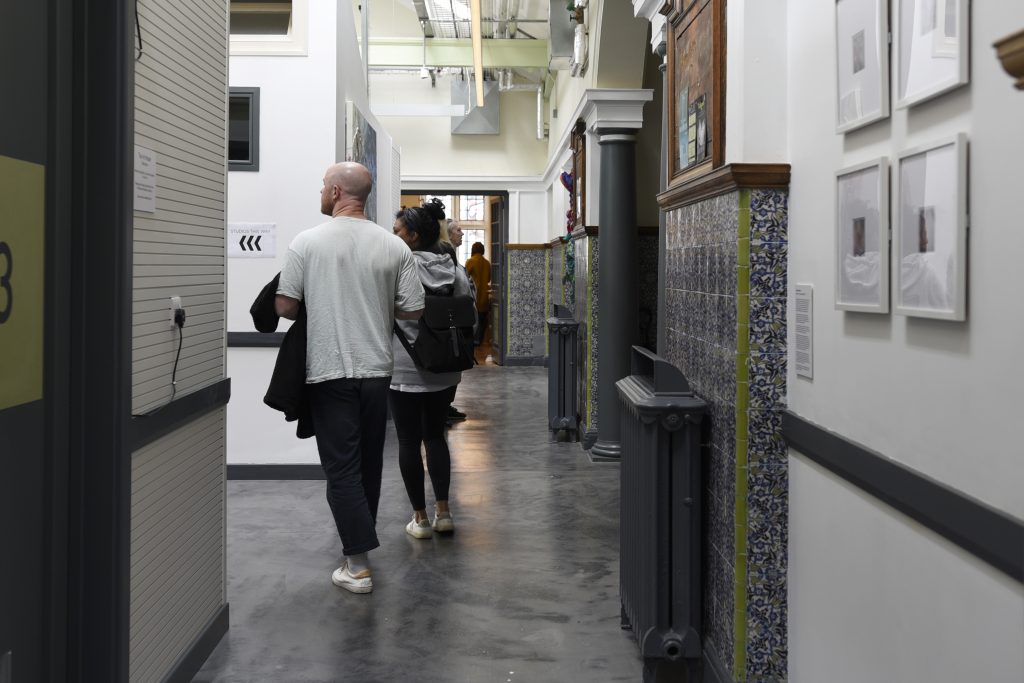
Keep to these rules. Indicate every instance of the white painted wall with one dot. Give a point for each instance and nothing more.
(951, 399)
(876, 597)
(302, 111)
(531, 213)
(429, 148)
(873, 595)
(755, 99)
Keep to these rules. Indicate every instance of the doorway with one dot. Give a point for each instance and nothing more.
(483, 217)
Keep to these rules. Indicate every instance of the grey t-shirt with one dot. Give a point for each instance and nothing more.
(352, 275)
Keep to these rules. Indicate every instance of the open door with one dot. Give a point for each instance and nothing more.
(499, 236)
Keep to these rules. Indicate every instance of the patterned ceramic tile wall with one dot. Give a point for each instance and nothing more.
(594, 335)
(581, 288)
(556, 275)
(767, 472)
(648, 276)
(527, 273)
(725, 329)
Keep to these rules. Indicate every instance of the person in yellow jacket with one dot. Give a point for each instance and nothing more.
(479, 269)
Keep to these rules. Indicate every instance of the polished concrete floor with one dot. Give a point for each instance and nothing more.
(525, 590)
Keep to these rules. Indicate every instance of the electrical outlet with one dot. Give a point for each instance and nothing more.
(174, 307)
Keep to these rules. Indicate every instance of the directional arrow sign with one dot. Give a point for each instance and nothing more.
(252, 240)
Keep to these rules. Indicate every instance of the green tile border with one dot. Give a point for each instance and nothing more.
(547, 299)
(742, 403)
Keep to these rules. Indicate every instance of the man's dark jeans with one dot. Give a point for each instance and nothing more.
(350, 417)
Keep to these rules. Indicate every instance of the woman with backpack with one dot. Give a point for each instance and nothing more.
(419, 397)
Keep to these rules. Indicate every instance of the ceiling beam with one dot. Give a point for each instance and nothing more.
(451, 52)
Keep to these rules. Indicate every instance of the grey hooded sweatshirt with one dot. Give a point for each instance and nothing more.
(438, 275)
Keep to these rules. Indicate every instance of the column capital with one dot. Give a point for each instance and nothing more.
(615, 109)
(653, 11)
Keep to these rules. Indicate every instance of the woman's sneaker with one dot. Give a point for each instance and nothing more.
(443, 523)
(419, 529)
(356, 583)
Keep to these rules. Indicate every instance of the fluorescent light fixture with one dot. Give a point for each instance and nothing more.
(478, 51)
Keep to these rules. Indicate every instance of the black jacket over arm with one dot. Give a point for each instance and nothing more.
(287, 391)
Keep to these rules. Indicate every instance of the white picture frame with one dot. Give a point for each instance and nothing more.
(931, 53)
(862, 63)
(863, 237)
(930, 240)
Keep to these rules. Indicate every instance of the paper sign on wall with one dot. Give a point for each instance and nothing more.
(804, 319)
(145, 180)
(252, 240)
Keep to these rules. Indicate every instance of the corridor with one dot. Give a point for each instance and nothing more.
(525, 590)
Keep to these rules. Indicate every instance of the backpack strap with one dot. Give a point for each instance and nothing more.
(405, 343)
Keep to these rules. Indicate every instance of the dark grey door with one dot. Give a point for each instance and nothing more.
(499, 223)
(24, 466)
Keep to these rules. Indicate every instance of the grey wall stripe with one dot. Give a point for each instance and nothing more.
(202, 647)
(148, 428)
(988, 533)
(254, 339)
(276, 472)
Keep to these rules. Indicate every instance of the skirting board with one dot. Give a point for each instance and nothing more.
(189, 664)
(529, 361)
(293, 472)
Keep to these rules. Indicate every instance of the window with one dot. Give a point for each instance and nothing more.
(471, 208)
(449, 205)
(268, 27)
(244, 129)
(469, 236)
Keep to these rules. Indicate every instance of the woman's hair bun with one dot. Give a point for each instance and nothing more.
(435, 209)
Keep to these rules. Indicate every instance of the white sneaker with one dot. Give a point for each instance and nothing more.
(443, 523)
(355, 583)
(419, 529)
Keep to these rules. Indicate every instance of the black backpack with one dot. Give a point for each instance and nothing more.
(445, 339)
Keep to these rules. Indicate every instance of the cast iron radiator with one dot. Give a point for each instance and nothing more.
(660, 506)
(562, 372)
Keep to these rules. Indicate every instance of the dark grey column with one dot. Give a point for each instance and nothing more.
(617, 282)
(662, 239)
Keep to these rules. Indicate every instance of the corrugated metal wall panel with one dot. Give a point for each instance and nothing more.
(177, 534)
(177, 541)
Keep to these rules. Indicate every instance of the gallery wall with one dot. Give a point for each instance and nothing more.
(302, 132)
(874, 595)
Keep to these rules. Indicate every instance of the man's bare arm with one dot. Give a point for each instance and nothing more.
(408, 315)
(286, 307)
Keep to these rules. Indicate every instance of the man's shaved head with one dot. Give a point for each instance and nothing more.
(353, 179)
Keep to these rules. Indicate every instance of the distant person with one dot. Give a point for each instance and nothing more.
(455, 233)
(451, 237)
(419, 398)
(355, 278)
(479, 270)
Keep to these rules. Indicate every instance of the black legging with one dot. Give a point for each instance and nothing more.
(420, 418)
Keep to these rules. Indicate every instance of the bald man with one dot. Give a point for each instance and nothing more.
(354, 278)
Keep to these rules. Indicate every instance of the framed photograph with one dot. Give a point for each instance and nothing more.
(930, 242)
(862, 237)
(932, 48)
(361, 146)
(862, 61)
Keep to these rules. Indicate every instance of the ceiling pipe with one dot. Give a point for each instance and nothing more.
(541, 128)
(478, 51)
